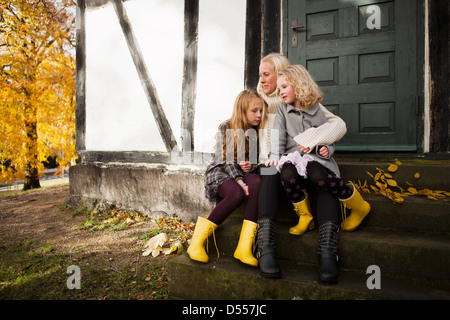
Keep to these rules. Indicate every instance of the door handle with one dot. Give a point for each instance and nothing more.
(295, 27)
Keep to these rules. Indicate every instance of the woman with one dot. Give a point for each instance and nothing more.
(270, 179)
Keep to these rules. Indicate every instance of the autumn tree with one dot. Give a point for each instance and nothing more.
(37, 87)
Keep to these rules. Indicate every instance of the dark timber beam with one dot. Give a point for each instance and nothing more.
(189, 73)
(252, 43)
(80, 106)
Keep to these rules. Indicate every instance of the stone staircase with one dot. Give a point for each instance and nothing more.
(409, 242)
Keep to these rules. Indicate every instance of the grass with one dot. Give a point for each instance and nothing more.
(33, 271)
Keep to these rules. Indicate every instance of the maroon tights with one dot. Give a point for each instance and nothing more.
(233, 195)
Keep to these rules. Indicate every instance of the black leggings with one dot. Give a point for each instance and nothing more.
(321, 184)
(269, 193)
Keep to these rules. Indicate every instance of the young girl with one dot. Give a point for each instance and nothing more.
(227, 182)
(300, 169)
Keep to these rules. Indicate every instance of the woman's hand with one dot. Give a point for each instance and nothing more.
(246, 166)
(270, 163)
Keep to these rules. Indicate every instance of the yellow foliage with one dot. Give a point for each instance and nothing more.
(37, 87)
(384, 181)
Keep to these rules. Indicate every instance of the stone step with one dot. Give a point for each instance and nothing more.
(416, 213)
(398, 254)
(230, 279)
(434, 174)
(409, 242)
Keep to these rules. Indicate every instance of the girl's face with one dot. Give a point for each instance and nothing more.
(287, 92)
(268, 77)
(254, 111)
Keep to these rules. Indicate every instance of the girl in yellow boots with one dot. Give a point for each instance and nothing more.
(232, 177)
(312, 168)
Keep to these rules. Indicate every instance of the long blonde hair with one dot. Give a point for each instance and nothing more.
(239, 121)
(306, 89)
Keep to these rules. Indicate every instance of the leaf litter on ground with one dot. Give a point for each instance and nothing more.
(172, 238)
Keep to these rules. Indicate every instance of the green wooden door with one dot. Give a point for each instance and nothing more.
(363, 55)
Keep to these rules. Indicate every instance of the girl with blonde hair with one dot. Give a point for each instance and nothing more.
(227, 184)
(298, 119)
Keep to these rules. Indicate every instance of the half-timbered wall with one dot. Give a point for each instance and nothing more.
(142, 90)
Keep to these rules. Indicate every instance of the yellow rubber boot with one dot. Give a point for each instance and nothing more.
(203, 229)
(359, 210)
(305, 221)
(244, 250)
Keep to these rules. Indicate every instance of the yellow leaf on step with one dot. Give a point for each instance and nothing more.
(412, 190)
(392, 183)
(393, 168)
(377, 176)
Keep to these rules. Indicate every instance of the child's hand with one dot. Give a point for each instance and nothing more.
(270, 163)
(246, 166)
(245, 188)
(303, 149)
(324, 152)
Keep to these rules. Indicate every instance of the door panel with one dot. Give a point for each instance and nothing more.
(362, 53)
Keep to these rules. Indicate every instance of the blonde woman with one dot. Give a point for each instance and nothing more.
(334, 128)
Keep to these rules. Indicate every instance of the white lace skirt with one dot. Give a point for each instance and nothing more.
(300, 162)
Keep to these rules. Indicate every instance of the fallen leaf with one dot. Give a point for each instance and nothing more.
(155, 244)
(173, 248)
(393, 168)
(417, 175)
(392, 183)
(412, 190)
(157, 241)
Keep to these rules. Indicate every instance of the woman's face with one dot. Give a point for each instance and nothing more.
(268, 77)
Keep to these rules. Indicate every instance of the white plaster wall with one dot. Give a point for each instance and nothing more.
(118, 116)
(221, 62)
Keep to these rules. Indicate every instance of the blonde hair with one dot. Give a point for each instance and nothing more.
(306, 89)
(278, 60)
(239, 119)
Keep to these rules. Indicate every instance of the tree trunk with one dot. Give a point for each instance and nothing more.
(32, 159)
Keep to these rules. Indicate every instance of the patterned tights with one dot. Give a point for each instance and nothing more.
(319, 178)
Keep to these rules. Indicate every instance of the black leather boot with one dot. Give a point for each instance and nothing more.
(328, 252)
(265, 252)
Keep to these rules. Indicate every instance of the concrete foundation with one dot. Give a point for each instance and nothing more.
(153, 189)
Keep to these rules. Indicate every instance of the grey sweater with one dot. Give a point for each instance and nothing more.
(292, 122)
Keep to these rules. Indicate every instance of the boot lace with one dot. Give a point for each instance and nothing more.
(215, 243)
